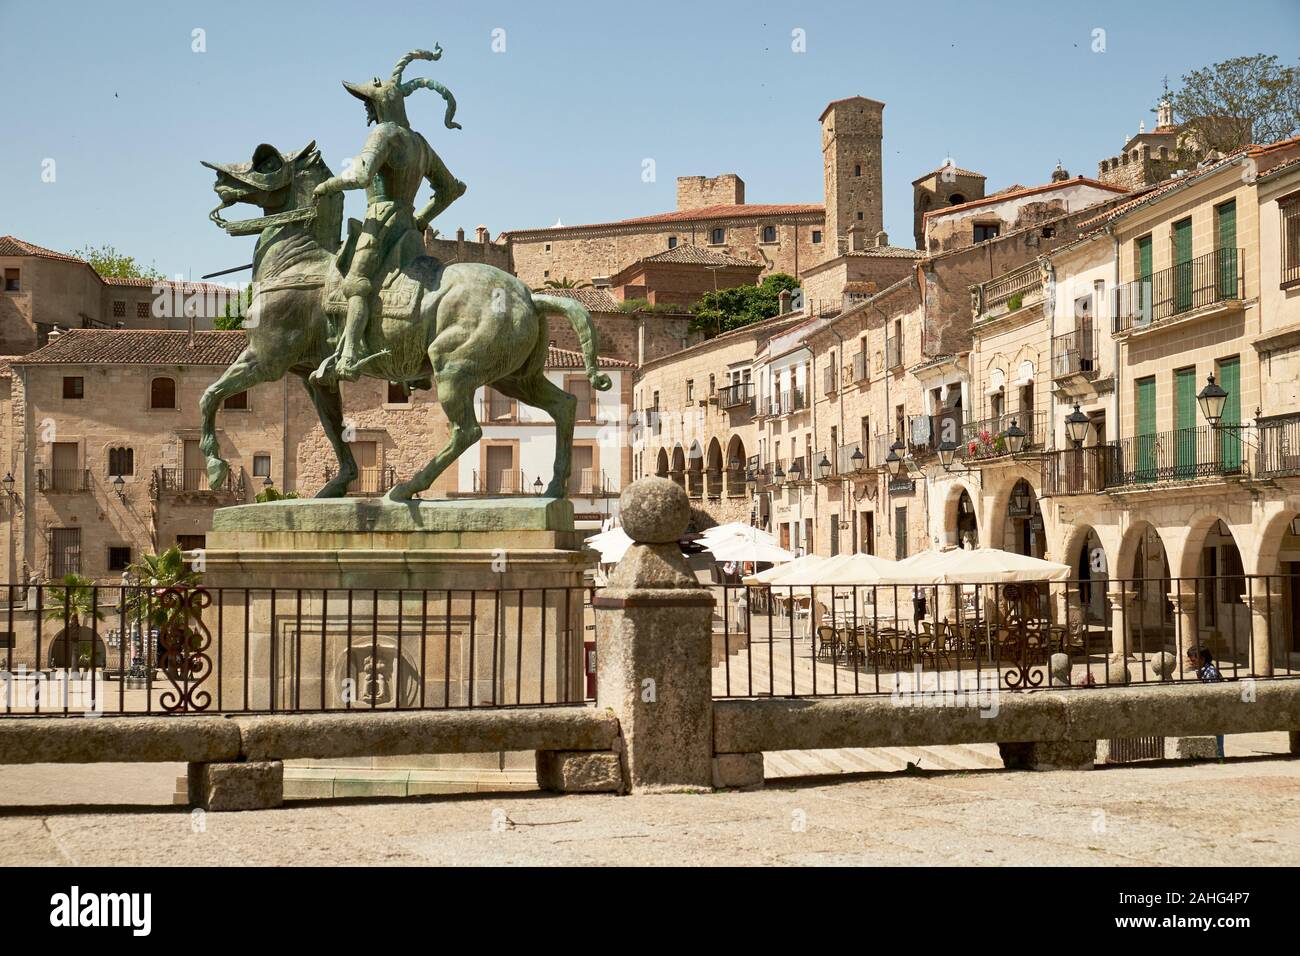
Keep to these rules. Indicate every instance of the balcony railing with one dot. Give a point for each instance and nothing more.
(1007, 292)
(789, 401)
(507, 481)
(926, 432)
(984, 438)
(62, 480)
(1075, 353)
(734, 396)
(1279, 447)
(860, 367)
(844, 464)
(1184, 454)
(369, 482)
(190, 481)
(893, 353)
(1206, 280)
(589, 483)
(496, 408)
(1078, 471)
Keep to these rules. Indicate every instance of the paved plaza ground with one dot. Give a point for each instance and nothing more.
(1242, 812)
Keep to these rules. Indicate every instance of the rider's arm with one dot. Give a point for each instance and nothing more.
(363, 168)
(444, 186)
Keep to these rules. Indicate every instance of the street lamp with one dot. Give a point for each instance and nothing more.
(947, 451)
(1020, 500)
(267, 483)
(1076, 427)
(778, 476)
(824, 467)
(537, 485)
(118, 485)
(859, 460)
(1015, 438)
(1212, 399)
(894, 461)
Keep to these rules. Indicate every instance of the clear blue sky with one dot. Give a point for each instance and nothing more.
(557, 125)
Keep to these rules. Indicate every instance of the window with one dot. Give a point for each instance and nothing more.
(142, 310)
(119, 558)
(261, 466)
(769, 233)
(121, 461)
(859, 217)
(74, 386)
(857, 169)
(956, 199)
(1290, 213)
(397, 394)
(192, 542)
(817, 237)
(672, 242)
(1049, 232)
(162, 393)
(12, 281)
(985, 231)
(690, 389)
(718, 236)
(237, 402)
(65, 551)
(119, 309)
(548, 247)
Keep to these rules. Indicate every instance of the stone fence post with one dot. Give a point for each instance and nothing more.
(653, 637)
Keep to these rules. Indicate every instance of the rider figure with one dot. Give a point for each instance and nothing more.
(390, 168)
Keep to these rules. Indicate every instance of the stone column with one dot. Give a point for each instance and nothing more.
(1184, 603)
(1262, 620)
(653, 637)
(1121, 602)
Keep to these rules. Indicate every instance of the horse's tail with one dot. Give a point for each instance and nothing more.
(583, 327)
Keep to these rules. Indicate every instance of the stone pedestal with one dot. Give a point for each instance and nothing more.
(653, 646)
(254, 785)
(362, 603)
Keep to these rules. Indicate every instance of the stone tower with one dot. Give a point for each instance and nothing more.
(851, 133)
(946, 186)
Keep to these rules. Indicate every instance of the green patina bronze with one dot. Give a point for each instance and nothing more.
(326, 308)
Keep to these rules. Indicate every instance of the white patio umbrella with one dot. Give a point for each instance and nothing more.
(974, 566)
(848, 569)
(775, 575)
(743, 549)
(611, 544)
(734, 529)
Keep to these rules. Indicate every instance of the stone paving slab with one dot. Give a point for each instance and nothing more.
(1243, 812)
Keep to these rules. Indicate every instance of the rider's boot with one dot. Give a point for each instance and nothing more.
(352, 352)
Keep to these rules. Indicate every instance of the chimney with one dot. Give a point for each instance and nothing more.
(857, 237)
(882, 239)
(481, 234)
(784, 300)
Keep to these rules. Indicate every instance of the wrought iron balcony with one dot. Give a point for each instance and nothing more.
(1184, 454)
(1075, 353)
(369, 482)
(1078, 471)
(1279, 447)
(194, 481)
(734, 396)
(589, 483)
(1207, 280)
(60, 481)
(844, 463)
(984, 438)
(506, 481)
(789, 401)
(926, 432)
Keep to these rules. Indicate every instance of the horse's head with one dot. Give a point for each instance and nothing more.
(277, 183)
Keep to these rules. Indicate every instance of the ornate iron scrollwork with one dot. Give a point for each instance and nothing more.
(183, 641)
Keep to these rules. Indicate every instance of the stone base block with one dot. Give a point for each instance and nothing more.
(254, 785)
(738, 771)
(1049, 755)
(1191, 748)
(579, 771)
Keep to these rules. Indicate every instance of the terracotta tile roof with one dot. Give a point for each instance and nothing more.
(1015, 192)
(847, 99)
(593, 300)
(887, 252)
(137, 347)
(5, 370)
(182, 283)
(13, 246)
(956, 169)
(719, 211)
(1152, 193)
(696, 255)
(566, 358)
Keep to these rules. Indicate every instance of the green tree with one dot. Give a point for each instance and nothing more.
(74, 600)
(727, 309)
(236, 310)
(111, 264)
(1244, 99)
(566, 283)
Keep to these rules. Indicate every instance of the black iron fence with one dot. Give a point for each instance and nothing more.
(986, 438)
(194, 650)
(1204, 281)
(1075, 353)
(174, 481)
(1078, 471)
(1279, 447)
(1183, 454)
(955, 639)
(62, 480)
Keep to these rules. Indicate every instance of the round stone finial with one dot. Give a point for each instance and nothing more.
(654, 510)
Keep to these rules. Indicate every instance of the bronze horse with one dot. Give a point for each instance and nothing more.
(456, 327)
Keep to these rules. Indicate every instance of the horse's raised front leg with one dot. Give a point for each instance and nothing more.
(329, 406)
(245, 372)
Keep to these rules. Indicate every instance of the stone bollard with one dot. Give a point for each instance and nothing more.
(653, 638)
(251, 785)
